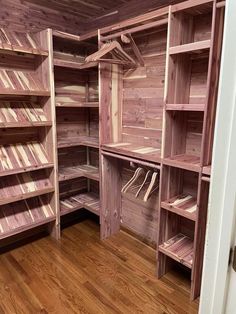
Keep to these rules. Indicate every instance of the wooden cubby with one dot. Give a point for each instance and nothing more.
(27, 127)
(25, 214)
(79, 193)
(181, 195)
(77, 116)
(132, 111)
(135, 184)
(183, 139)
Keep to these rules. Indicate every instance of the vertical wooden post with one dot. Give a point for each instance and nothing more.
(111, 196)
(51, 136)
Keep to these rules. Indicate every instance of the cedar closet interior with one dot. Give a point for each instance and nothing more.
(119, 121)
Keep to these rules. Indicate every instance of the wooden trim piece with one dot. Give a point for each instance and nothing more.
(66, 36)
(189, 4)
(135, 29)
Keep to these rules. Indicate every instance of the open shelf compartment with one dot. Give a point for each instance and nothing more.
(176, 240)
(181, 195)
(78, 162)
(179, 248)
(71, 53)
(24, 215)
(183, 140)
(24, 113)
(25, 185)
(21, 42)
(79, 193)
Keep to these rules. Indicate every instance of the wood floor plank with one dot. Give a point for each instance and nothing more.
(82, 274)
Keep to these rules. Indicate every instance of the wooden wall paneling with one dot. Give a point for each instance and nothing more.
(37, 17)
(110, 196)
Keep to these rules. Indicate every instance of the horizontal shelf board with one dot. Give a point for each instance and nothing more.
(24, 124)
(66, 36)
(24, 215)
(179, 248)
(185, 107)
(88, 171)
(22, 114)
(21, 157)
(79, 141)
(89, 201)
(183, 205)
(16, 198)
(73, 64)
(206, 178)
(183, 161)
(20, 49)
(89, 104)
(67, 63)
(134, 150)
(206, 170)
(195, 47)
(15, 92)
(23, 228)
(26, 169)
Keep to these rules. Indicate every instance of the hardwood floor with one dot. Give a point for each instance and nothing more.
(81, 274)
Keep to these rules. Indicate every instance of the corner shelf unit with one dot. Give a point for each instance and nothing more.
(77, 116)
(188, 114)
(28, 173)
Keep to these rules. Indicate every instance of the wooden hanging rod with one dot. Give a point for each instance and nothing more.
(135, 29)
(137, 161)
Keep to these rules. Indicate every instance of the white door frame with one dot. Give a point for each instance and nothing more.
(221, 213)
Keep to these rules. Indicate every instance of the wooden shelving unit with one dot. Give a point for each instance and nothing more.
(188, 111)
(28, 173)
(172, 155)
(82, 127)
(77, 108)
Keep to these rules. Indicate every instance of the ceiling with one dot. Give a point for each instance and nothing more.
(74, 16)
(83, 9)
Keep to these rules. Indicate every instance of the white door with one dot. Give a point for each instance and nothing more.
(218, 293)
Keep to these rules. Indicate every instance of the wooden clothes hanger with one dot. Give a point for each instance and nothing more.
(115, 49)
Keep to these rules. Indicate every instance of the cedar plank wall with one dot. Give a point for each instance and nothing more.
(23, 15)
(143, 93)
